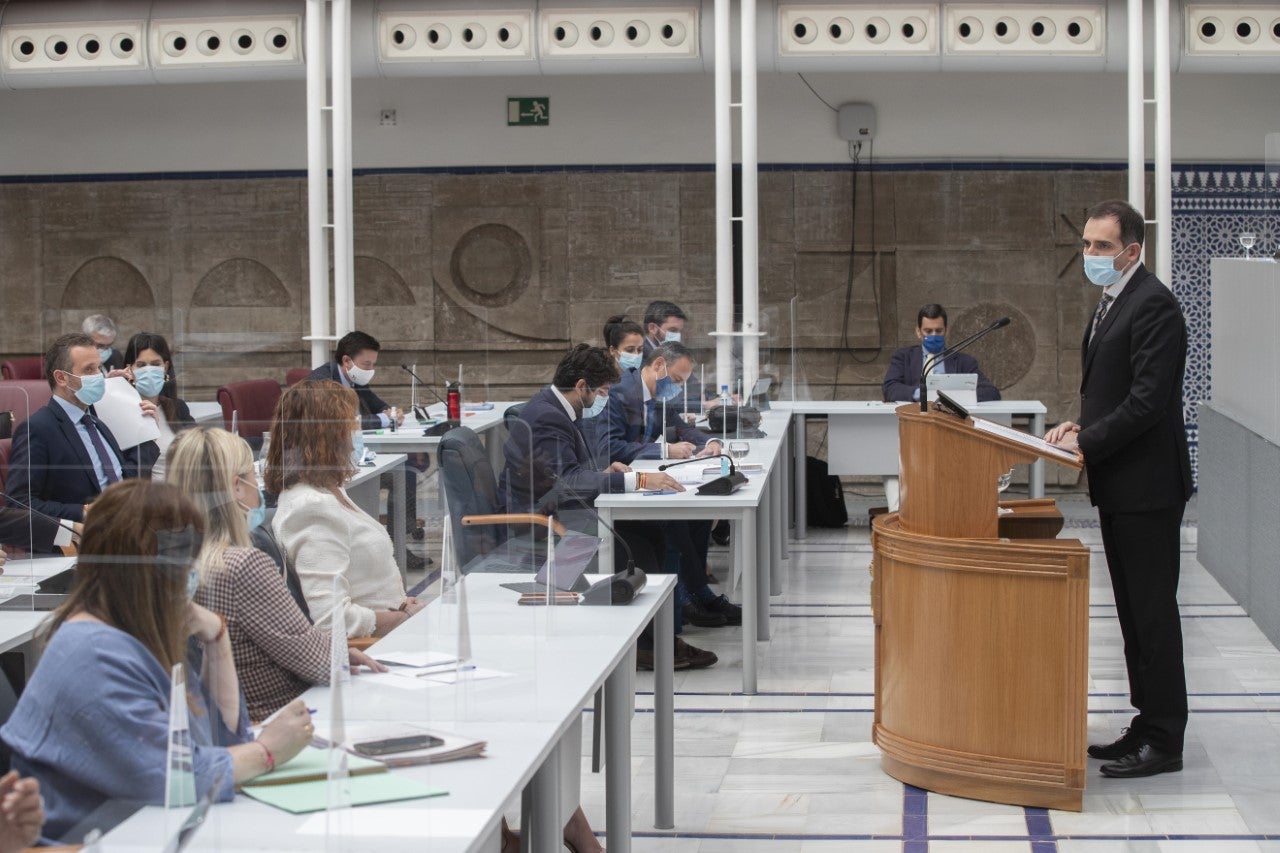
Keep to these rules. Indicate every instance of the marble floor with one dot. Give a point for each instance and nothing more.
(794, 769)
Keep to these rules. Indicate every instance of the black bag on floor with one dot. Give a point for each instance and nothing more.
(825, 496)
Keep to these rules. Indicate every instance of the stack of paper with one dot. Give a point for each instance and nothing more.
(454, 748)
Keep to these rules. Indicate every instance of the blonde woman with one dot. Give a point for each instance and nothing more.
(323, 534)
(278, 652)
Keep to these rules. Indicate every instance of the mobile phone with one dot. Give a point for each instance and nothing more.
(391, 745)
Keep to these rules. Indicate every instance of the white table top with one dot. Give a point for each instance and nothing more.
(21, 576)
(877, 407)
(18, 627)
(556, 658)
(382, 463)
(205, 412)
(409, 437)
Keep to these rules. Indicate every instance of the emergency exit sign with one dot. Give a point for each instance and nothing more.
(528, 112)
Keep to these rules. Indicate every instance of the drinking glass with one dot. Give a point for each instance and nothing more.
(739, 449)
(1247, 239)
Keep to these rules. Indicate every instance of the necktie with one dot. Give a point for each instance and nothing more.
(100, 447)
(650, 419)
(1103, 305)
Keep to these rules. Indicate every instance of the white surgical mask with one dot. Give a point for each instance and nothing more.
(359, 376)
(672, 337)
(597, 406)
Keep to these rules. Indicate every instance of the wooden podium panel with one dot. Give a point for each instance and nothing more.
(981, 641)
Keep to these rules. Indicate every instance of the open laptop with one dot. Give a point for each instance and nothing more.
(961, 387)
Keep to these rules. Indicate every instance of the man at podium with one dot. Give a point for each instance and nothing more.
(902, 379)
(1133, 441)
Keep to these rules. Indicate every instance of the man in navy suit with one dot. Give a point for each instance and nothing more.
(63, 456)
(902, 379)
(355, 359)
(634, 430)
(550, 467)
(1133, 440)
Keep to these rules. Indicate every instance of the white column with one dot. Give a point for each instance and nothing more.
(750, 203)
(317, 184)
(1137, 110)
(724, 197)
(1164, 147)
(343, 247)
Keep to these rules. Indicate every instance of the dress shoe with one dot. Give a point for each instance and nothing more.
(1146, 760)
(720, 533)
(731, 612)
(1127, 743)
(644, 660)
(695, 612)
(693, 657)
(415, 563)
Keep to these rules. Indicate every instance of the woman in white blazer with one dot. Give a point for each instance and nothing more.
(323, 534)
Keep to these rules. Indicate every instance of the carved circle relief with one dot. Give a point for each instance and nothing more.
(1005, 355)
(492, 265)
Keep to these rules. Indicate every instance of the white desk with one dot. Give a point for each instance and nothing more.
(862, 439)
(757, 511)
(206, 413)
(409, 438)
(558, 657)
(21, 576)
(363, 490)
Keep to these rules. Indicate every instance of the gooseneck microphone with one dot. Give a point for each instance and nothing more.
(723, 485)
(421, 413)
(949, 351)
(61, 522)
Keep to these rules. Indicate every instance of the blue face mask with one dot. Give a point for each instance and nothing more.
(630, 360)
(357, 447)
(1101, 270)
(671, 337)
(193, 583)
(934, 344)
(255, 516)
(91, 388)
(597, 406)
(666, 389)
(105, 353)
(148, 380)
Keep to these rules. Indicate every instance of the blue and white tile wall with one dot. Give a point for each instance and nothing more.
(1212, 206)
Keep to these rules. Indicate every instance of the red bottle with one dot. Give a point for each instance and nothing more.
(453, 402)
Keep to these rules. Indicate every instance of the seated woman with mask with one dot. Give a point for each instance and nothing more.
(93, 722)
(315, 438)
(149, 366)
(278, 652)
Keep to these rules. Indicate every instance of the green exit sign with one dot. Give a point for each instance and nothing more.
(528, 112)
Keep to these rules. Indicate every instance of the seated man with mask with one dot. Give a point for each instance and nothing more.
(63, 456)
(635, 430)
(902, 379)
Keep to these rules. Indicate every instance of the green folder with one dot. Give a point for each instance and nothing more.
(313, 764)
(306, 797)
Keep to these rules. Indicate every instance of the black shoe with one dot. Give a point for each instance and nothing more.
(731, 612)
(416, 563)
(720, 533)
(1146, 760)
(1127, 743)
(695, 612)
(644, 659)
(692, 656)
(418, 534)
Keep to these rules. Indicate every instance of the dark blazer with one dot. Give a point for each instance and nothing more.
(145, 455)
(50, 468)
(26, 530)
(903, 376)
(623, 423)
(1132, 431)
(560, 458)
(114, 362)
(371, 405)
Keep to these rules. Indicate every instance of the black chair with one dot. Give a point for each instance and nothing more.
(483, 539)
(263, 538)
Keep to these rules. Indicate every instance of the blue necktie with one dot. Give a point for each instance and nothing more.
(650, 420)
(100, 447)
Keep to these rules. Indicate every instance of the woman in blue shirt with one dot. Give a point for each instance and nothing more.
(93, 723)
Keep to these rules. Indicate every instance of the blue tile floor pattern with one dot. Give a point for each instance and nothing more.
(793, 769)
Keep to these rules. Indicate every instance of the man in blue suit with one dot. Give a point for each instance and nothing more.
(635, 430)
(63, 456)
(902, 379)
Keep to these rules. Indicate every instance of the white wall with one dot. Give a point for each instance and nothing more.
(623, 119)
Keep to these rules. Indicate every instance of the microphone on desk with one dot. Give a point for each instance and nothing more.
(421, 413)
(950, 351)
(723, 485)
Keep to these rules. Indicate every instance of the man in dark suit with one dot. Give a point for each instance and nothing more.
(355, 359)
(1133, 441)
(550, 467)
(63, 456)
(103, 330)
(902, 379)
(634, 429)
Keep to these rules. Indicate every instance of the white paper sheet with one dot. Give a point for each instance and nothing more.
(1024, 438)
(423, 658)
(120, 410)
(452, 676)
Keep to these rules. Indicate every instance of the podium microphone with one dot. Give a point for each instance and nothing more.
(949, 351)
(724, 485)
(421, 413)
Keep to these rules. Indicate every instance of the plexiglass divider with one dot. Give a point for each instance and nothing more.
(1268, 240)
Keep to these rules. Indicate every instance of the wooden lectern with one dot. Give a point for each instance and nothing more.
(982, 631)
